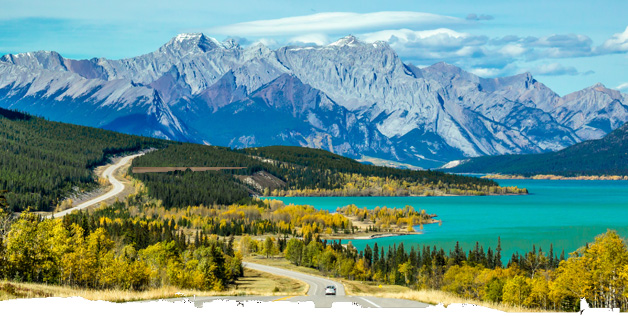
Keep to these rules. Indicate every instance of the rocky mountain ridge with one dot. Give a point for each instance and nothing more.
(349, 97)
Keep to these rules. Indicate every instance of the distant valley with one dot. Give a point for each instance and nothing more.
(352, 98)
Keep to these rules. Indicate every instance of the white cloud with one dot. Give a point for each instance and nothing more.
(618, 43)
(558, 46)
(486, 72)
(268, 42)
(338, 22)
(425, 39)
(465, 44)
(560, 40)
(490, 57)
(317, 39)
(430, 46)
(469, 51)
(623, 87)
(554, 69)
(513, 50)
(406, 35)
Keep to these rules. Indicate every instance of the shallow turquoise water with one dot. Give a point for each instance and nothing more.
(566, 213)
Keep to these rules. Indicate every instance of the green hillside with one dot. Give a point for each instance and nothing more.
(606, 156)
(301, 170)
(41, 161)
(319, 159)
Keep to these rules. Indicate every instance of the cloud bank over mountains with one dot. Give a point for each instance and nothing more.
(424, 39)
(334, 23)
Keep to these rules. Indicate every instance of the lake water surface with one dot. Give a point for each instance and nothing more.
(565, 213)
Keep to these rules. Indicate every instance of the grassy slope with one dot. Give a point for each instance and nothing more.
(253, 283)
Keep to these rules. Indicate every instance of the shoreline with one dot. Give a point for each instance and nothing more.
(377, 236)
(364, 235)
(553, 177)
(409, 195)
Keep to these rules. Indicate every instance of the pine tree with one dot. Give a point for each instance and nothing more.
(375, 254)
(551, 259)
(498, 253)
(490, 260)
(368, 256)
(458, 255)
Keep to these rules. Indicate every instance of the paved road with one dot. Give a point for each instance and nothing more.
(316, 292)
(317, 284)
(117, 188)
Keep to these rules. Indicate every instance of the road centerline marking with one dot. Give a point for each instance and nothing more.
(370, 302)
(284, 298)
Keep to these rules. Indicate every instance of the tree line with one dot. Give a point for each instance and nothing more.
(360, 185)
(44, 162)
(319, 159)
(536, 279)
(183, 188)
(383, 218)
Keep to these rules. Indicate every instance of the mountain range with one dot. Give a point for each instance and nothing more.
(350, 97)
(599, 157)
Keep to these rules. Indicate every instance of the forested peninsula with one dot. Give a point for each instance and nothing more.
(289, 171)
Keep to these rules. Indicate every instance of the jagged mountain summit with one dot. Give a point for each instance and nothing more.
(350, 97)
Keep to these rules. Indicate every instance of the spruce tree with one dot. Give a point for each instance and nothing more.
(498, 253)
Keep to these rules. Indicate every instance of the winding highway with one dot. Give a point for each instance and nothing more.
(118, 187)
(317, 285)
(316, 292)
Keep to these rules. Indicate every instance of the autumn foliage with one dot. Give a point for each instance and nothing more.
(79, 252)
(539, 280)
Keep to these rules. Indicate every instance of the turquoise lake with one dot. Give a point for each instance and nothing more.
(565, 213)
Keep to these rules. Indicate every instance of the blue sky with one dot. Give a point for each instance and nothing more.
(568, 45)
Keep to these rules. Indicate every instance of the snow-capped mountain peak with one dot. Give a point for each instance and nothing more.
(349, 40)
(230, 43)
(188, 43)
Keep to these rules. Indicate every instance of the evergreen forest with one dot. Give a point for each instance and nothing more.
(300, 171)
(43, 162)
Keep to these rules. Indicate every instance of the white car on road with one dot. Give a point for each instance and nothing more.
(330, 290)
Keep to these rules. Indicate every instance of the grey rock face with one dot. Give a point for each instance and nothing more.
(349, 97)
